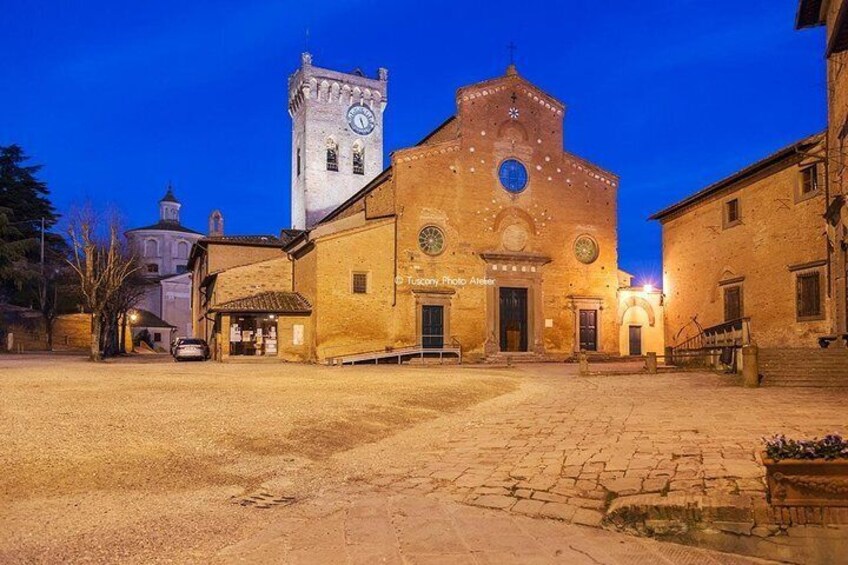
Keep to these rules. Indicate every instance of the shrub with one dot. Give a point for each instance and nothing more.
(829, 447)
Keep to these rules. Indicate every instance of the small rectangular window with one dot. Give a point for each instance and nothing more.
(157, 336)
(809, 180)
(332, 159)
(732, 303)
(182, 269)
(808, 296)
(732, 215)
(358, 163)
(298, 161)
(152, 268)
(360, 283)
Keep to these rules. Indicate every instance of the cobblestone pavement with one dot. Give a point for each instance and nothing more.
(587, 450)
(368, 528)
(519, 478)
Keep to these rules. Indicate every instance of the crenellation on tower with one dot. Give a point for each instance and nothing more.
(337, 137)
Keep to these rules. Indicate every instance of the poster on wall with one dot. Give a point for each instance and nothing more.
(297, 334)
(235, 333)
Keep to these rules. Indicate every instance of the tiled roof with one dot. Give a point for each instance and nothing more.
(147, 319)
(272, 301)
(258, 239)
(166, 226)
(169, 196)
(809, 14)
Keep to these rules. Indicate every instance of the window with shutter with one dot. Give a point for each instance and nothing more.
(732, 214)
(732, 303)
(809, 180)
(360, 283)
(808, 293)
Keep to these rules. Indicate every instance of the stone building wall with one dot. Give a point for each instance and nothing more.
(169, 250)
(248, 280)
(778, 232)
(346, 322)
(837, 119)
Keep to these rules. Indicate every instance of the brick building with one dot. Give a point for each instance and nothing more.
(752, 246)
(486, 238)
(768, 245)
(833, 14)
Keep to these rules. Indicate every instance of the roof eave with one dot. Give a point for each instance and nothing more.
(808, 14)
(739, 176)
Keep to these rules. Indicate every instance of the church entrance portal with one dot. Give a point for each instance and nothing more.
(635, 340)
(432, 326)
(589, 330)
(513, 318)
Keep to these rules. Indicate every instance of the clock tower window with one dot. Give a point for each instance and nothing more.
(332, 155)
(358, 160)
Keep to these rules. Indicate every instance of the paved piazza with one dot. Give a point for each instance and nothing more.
(155, 461)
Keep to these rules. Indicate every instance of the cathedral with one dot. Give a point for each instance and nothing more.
(485, 240)
(163, 249)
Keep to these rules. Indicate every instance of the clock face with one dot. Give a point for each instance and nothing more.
(361, 119)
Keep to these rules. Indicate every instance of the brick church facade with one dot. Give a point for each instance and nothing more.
(486, 238)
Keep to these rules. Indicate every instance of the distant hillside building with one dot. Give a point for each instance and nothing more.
(163, 249)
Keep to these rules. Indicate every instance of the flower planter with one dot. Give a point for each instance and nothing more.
(807, 482)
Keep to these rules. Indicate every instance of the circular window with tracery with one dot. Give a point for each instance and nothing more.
(513, 175)
(586, 249)
(431, 240)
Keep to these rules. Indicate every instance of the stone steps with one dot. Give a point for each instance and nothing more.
(804, 367)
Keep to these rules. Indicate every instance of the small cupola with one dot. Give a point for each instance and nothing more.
(169, 207)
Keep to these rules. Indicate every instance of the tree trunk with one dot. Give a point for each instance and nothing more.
(96, 333)
(122, 347)
(48, 328)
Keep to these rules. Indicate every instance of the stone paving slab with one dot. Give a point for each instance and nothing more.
(419, 529)
(535, 479)
(586, 441)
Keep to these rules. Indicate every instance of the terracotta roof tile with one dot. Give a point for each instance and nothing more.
(276, 302)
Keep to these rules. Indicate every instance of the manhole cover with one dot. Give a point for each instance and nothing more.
(265, 500)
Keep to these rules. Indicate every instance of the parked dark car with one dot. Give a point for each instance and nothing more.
(191, 348)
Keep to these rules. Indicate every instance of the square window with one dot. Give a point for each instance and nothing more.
(157, 336)
(360, 283)
(808, 296)
(152, 268)
(732, 215)
(732, 303)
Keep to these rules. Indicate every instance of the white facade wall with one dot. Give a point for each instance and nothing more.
(319, 101)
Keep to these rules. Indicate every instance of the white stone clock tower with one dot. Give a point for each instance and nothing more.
(337, 137)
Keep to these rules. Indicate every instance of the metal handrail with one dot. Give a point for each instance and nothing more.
(456, 347)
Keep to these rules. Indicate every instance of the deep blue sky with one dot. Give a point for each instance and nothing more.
(116, 98)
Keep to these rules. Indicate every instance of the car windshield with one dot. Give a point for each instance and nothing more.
(191, 342)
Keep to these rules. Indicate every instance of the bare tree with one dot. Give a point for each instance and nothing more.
(123, 300)
(103, 264)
